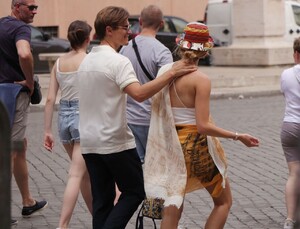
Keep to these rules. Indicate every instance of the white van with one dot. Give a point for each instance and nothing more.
(292, 20)
(219, 20)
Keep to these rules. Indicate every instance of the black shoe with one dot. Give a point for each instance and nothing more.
(39, 205)
(13, 222)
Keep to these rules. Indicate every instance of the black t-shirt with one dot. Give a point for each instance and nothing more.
(11, 31)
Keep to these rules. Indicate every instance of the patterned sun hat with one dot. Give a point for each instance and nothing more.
(195, 37)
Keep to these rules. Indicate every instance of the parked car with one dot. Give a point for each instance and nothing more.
(166, 35)
(44, 43)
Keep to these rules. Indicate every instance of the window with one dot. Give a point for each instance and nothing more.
(166, 27)
(36, 34)
(296, 10)
(52, 30)
(179, 24)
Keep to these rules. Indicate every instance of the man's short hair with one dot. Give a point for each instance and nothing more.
(297, 45)
(14, 2)
(112, 16)
(152, 17)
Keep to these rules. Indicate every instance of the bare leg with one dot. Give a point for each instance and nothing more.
(222, 205)
(77, 173)
(118, 193)
(171, 217)
(292, 189)
(20, 171)
(86, 190)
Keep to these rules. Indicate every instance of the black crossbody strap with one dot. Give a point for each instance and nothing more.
(140, 61)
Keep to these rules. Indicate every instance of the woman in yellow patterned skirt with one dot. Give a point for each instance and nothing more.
(183, 151)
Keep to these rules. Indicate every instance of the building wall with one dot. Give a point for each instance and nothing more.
(62, 12)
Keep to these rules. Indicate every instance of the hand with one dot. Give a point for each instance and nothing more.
(48, 141)
(248, 140)
(181, 68)
(24, 84)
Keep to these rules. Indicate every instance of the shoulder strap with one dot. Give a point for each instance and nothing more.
(57, 65)
(139, 224)
(174, 86)
(139, 59)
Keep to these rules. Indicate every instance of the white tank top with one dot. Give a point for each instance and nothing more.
(68, 84)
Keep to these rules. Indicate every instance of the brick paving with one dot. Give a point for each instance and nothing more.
(257, 175)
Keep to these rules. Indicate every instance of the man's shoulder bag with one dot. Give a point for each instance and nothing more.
(136, 50)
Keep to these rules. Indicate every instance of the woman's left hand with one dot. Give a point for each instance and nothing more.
(248, 140)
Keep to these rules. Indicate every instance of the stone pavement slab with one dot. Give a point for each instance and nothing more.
(257, 175)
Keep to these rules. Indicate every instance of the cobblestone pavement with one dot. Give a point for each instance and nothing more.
(257, 175)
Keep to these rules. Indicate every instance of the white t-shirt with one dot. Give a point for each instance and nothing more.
(290, 87)
(103, 75)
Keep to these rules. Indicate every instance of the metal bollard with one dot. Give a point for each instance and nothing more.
(5, 168)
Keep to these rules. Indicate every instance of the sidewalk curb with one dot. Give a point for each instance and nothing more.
(229, 93)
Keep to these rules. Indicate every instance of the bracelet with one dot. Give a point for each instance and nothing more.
(236, 136)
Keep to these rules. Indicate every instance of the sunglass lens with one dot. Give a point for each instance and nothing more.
(32, 8)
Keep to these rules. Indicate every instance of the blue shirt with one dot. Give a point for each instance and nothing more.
(11, 31)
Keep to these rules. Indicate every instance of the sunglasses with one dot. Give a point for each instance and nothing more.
(125, 27)
(30, 7)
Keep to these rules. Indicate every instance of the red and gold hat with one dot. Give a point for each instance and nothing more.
(195, 37)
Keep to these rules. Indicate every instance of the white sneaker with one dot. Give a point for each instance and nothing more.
(289, 224)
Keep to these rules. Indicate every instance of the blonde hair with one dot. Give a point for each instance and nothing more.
(190, 56)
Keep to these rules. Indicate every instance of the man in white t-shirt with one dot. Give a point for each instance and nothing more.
(153, 55)
(107, 144)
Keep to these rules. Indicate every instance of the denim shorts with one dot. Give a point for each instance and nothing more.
(68, 120)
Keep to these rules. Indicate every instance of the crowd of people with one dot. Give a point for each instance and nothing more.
(152, 124)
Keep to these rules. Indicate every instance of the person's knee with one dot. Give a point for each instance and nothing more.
(86, 177)
(226, 204)
(229, 204)
(224, 201)
(20, 148)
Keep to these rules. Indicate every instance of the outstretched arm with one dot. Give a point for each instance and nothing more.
(204, 124)
(145, 91)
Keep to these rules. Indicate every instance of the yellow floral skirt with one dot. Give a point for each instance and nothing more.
(201, 169)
